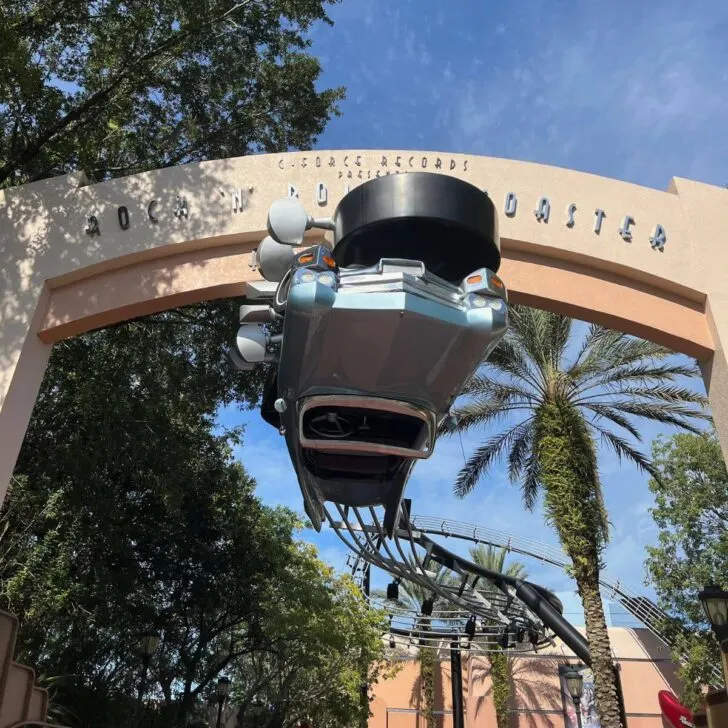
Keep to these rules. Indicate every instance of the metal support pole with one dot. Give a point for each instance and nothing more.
(456, 682)
(577, 708)
(220, 702)
(366, 584)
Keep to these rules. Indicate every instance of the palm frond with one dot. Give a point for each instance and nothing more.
(520, 451)
(508, 392)
(480, 385)
(484, 456)
(665, 393)
(531, 482)
(494, 558)
(529, 331)
(474, 415)
(558, 331)
(589, 357)
(610, 350)
(413, 594)
(623, 450)
(603, 410)
(509, 358)
(640, 373)
(668, 413)
(629, 350)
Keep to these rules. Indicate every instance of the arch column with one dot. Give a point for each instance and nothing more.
(705, 213)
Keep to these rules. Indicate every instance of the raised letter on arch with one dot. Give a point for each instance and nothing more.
(570, 212)
(543, 210)
(322, 193)
(625, 230)
(659, 238)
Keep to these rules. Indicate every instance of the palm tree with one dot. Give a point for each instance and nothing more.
(494, 559)
(553, 404)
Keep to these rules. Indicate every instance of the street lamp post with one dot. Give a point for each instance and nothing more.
(148, 643)
(715, 605)
(223, 688)
(575, 685)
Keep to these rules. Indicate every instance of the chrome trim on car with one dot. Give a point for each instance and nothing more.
(423, 447)
(401, 283)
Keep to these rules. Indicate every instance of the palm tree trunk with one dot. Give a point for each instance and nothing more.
(501, 687)
(567, 461)
(601, 653)
(427, 676)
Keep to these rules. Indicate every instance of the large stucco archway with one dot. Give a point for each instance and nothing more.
(648, 262)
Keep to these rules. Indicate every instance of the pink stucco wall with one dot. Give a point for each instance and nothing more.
(536, 698)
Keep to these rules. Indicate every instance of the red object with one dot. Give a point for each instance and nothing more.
(676, 713)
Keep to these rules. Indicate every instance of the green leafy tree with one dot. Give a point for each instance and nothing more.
(691, 511)
(117, 87)
(322, 641)
(494, 559)
(128, 510)
(555, 406)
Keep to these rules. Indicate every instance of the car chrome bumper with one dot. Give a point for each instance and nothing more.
(421, 449)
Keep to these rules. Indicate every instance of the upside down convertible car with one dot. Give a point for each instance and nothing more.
(371, 339)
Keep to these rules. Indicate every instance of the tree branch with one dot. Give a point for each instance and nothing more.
(79, 115)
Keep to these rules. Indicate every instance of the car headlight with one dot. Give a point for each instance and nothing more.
(305, 276)
(327, 279)
(476, 300)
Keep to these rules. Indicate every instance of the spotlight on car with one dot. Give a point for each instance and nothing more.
(254, 344)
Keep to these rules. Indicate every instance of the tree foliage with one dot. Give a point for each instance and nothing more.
(128, 510)
(117, 86)
(691, 512)
(548, 398)
(323, 643)
(428, 665)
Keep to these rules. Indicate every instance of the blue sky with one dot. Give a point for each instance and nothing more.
(635, 91)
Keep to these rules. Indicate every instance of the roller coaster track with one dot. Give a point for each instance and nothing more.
(512, 604)
(368, 541)
(640, 607)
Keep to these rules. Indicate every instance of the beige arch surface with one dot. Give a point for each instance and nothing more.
(184, 234)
